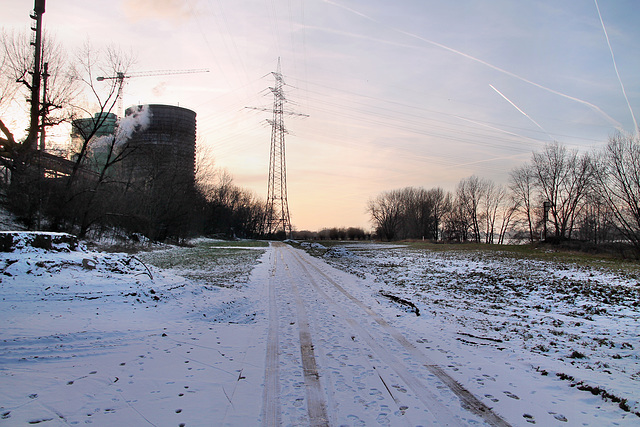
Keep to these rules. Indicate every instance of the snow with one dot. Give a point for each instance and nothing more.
(312, 245)
(179, 336)
(486, 311)
(337, 252)
(112, 346)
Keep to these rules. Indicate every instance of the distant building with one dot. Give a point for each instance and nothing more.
(158, 168)
(81, 128)
(165, 147)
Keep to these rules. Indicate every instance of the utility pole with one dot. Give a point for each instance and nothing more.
(45, 106)
(277, 209)
(31, 142)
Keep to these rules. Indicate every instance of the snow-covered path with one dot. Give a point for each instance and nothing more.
(247, 335)
(332, 360)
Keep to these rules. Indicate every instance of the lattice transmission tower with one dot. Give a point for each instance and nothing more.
(277, 209)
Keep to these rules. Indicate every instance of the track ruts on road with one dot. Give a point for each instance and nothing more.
(316, 404)
(322, 287)
(271, 400)
(467, 399)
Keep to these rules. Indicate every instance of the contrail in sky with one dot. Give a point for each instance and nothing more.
(517, 108)
(624, 92)
(473, 58)
(495, 128)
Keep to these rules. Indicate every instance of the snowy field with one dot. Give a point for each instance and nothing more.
(577, 326)
(108, 339)
(179, 336)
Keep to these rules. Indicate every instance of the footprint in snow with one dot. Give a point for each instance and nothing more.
(356, 420)
(511, 395)
(492, 398)
(529, 418)
(38, 421)
(559, 417)
(399, 388)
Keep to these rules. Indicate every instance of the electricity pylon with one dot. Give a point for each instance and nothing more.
(277, 209)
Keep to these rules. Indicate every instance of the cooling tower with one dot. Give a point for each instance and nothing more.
(166, 147)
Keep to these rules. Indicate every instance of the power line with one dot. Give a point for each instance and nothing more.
(277, 209)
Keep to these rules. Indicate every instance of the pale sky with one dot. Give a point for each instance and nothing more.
(403, 93)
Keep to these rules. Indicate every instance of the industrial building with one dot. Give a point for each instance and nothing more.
(165, 147)
(98, 126)
(82, 127)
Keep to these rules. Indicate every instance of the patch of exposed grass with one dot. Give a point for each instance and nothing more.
(237, 243)
(218, 263)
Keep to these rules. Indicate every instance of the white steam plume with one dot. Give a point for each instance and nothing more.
(522, 112)
(615, 66)
(138, 121)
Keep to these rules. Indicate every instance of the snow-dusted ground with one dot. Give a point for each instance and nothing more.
(111, 339)
(87, 337)
(484, 314)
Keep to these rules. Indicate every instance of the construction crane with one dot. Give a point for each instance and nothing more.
(120, 80)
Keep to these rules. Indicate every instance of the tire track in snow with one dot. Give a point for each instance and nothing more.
(440, 412)
(316, 405)
(271, 415)
(468, 399)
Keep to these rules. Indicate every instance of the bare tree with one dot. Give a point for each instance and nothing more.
(60, 86)
(493, 199)
(414, 212)
(563, 178)
(618, 183)
(28, 190)
(409, 213)
(471, 196)
(102, 96)
(385, 211)
(597, 221)
(509, 205)
(206, 172)
(14, 63)
(522, 185)
(457, 224)
(440, 202)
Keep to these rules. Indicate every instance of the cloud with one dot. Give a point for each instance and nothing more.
(173, 10)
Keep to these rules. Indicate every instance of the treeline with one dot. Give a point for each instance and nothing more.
(559, 194)
(335, 233)
(162, 209)
(228, 211)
